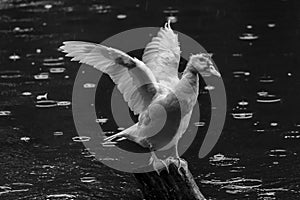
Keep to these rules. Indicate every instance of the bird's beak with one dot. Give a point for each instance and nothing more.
(213, 71)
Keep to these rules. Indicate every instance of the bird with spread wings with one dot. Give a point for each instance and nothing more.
(151, 87)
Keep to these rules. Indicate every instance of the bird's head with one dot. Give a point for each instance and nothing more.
(203, 64)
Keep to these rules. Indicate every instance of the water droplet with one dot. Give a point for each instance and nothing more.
(87, 153)
(87, 179)
(58, 133)
(218, 157)
(243, 103)
(102, 120)
(48, 6)
(248, 36)
(170, 10)
(100, 8)
(89, 85)
(242, 115)
(238, 74)
(57, 70)
(38, 51)
(25, 139)
(81, 139)
(63, 103)
(5, 113)
(278, 153)
(14, 57)
(209, 87)
(249, 26)
(121, 16)
(53, 60)
(268, 99)
(17, 29)
(26, 93)
(273, 124)
(237, 54)
(292, 134)
(46, 104)
(262, 93)
(271, 25)
(53, 64)
(222, 161)
(199, 124)
(108, 159)
(41, 76)
(266, 79)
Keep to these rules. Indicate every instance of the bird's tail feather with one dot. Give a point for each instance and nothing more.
(127, 133)
(115, 136)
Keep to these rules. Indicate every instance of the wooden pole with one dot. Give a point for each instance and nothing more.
(171, 185)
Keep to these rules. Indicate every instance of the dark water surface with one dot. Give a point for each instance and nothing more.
(255, 46)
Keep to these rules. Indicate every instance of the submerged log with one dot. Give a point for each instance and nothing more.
(171, 185)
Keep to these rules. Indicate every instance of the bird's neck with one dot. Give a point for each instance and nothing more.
(188, 86)
(190, 75)
(188, 89)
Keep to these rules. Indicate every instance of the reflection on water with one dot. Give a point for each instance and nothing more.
(254, 45)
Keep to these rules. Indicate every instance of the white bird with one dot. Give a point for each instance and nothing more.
(151, 87)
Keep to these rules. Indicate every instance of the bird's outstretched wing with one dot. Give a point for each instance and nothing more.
(134, 80)
(162, 56)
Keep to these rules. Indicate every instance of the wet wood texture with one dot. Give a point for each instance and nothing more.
(169, 186)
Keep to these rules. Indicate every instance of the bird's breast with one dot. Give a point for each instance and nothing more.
(171, 106)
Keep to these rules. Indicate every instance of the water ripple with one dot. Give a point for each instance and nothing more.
(65, 196)
(221, 160)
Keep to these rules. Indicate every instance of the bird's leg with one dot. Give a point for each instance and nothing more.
(181, 162)
(157, 163)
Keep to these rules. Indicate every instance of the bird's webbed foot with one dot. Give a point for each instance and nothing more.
(158, 164)
(181, 163)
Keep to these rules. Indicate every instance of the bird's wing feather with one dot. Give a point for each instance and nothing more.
(134, 80)
(162, 56)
